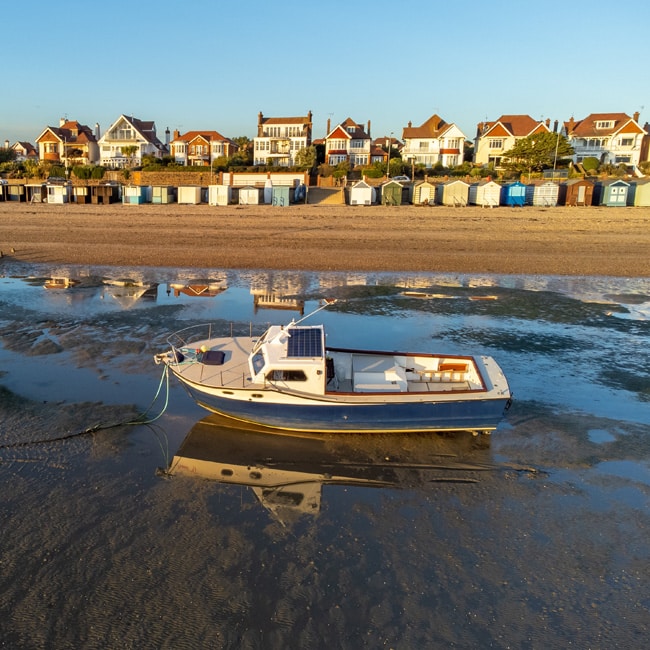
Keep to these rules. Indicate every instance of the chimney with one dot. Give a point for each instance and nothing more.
(176, 134)
(636, 116)
(62, 121)
(368, 128)
(6, 144)
(98, 132)
(329, 128)
(555, 124)
(547, 121)
(410, 124)
(167, 136)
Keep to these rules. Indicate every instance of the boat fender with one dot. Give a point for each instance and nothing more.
(179, 357)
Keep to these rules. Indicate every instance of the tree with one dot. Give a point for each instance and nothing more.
(129, 152)
(537, 152)
(306, 158)
(7, 155)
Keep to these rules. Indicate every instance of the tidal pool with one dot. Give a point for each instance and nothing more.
(122, 535)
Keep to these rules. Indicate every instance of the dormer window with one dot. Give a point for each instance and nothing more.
(604, 124)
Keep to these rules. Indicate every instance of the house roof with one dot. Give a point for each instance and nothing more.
(621, 123)
(70, 131)
(519, 126)
(208, 136)
(284, 120)
(434, 127)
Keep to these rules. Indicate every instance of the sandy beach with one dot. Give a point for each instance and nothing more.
(549, 241)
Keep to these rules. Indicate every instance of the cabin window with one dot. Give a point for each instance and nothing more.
(258, 362)
(286, 375)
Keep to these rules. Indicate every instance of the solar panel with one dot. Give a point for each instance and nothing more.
(305, 342)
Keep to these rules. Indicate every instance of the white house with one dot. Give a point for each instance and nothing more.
(612, 138)
(434, 142)
(348, 142)
(279, 139)
(129, 132)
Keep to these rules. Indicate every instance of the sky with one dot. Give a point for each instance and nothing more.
(215, 64)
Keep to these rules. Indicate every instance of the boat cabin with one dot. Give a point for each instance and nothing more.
(291, 356)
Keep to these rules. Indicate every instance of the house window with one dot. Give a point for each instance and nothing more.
(424, 146)
(496, 144)
(622, 159)
(627, 142)
(604, 124)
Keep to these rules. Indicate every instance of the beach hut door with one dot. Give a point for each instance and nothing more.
(618, 195)
(425, 195)
(581, 194)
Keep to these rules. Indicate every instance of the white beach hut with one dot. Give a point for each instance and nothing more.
(485, 193)
(362, 194)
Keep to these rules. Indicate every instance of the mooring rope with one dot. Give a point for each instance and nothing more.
(140, 419)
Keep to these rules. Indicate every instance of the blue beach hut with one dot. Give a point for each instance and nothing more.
(611, 192)
(513, 194)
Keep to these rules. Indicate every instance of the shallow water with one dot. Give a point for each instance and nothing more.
(536, 536)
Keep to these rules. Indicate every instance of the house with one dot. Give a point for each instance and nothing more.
(493, 139)
(279, 139)
(435, 142)
(200, 147)
(576, 191)
(348, 142)
(126, 133)
(23, 151)
(612, 138)
(485, 193)
(68, 144)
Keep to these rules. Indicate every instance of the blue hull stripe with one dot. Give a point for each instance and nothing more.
(480, 415)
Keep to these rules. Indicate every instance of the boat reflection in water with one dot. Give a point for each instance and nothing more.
(287, 471)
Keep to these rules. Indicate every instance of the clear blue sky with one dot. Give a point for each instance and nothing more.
(214, 64)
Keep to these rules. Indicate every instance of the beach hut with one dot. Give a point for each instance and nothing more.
(80, 194)
(423, 193)
(542, 194)
(362, 194)
(268, 191)
(454, 193)
(59, 191)
(250, 195)
(280, 195)
(36, 192)
(513, 194)
(16, 192)
(219, 194)
(576, 191)
(106, 193)
(611, 192)
(136, 194)
(163, 194)
(189, 194)
(641, 193)
(3, 189)
(391, 193)
(485, 193)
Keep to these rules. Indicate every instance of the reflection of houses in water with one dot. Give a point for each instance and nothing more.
(198, 288)
(286, 473)
(271, 291)
(60, 283)
(127, 291)
(263, 300)
(343, 280)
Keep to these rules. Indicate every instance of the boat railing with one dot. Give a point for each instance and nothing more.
(194, 333)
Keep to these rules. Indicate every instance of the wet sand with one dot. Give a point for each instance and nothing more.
(548, 241)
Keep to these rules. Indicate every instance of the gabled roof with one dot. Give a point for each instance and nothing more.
(284, 120)
(434, 127)
(621, 123)
(519, 126)
(349, 130)
(70, 131)
(27, 147)
(145, 128)
(208, 136)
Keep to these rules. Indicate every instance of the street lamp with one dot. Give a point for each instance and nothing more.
(390, 144)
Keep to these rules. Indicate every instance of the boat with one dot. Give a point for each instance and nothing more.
(289, 378)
